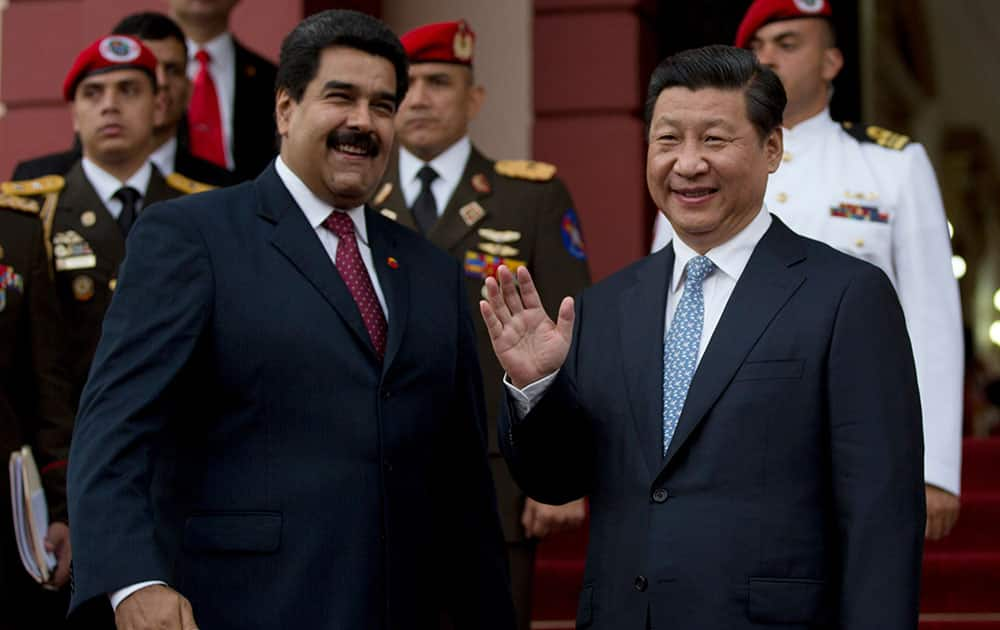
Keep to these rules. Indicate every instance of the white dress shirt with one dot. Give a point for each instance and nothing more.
(825, 167)
(730, 260)
(165, 156)
(106, 185)
(222, 65)
(316, 212)
(449, 165)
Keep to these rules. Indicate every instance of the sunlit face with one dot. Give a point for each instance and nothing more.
(337, 138)
(440, 104)
(706, 166)
(113, 113)
(801, 53)
(171, 79)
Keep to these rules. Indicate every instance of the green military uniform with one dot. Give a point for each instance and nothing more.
(519, 214)
(35, 404)
(87, 246)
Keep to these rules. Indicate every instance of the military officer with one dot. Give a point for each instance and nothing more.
(485, 213)
(872, 193)
(35, 407)
(87, 214)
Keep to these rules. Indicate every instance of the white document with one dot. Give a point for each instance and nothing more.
(31, 515)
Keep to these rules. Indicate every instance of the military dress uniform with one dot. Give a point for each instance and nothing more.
(35, 405)
(872, 193)
(87, 246)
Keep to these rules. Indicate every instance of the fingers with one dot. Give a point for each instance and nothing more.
(564, 324)
(508, 289)
(496, 300)
(187, 615)
(529, 293)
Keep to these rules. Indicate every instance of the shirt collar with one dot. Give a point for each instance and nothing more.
(449, 164)
(810, 126)
(221, 49)
(315, 209)
(731, 257)
(165, 156)
(106, 185)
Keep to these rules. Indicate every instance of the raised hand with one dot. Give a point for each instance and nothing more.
(528, 344)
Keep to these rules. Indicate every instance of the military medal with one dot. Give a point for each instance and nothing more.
(480, 184)
(83, 288)
(382, 194)
(389, 214)
(471, 213)
(88, 218)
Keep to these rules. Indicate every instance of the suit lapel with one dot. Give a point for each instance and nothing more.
(769, 280)
(158, 190)
(392, 269)
(642, 309)
(297, 241)
(395, 202)
(452, 227)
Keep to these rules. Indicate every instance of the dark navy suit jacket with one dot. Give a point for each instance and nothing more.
(239, 439)
(791, 495)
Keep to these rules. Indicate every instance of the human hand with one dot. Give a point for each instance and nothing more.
(528, 344)
(155, 606)
(57, 542)
(942, 512)
(540, 520)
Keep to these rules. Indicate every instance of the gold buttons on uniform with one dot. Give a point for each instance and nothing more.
(859, 243)
(781, 197)
(786, 157)
(88, 218)
(113, 283)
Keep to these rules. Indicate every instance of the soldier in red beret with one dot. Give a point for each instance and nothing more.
(485, 213)
(872, 193)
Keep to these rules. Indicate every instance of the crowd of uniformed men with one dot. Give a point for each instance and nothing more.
(170, 106)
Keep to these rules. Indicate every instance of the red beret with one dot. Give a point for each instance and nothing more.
(763, 12)
(112, 52)
(447, 42)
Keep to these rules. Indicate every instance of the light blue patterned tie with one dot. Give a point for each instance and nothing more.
(680, 350)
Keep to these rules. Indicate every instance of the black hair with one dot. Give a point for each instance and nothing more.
(152, 26)
(725, 68)
(300, 52)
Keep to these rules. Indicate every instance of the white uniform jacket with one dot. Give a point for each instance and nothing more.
(882, 204)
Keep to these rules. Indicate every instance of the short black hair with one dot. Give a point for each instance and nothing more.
(152, 26)
(724, 68)
(301, 49)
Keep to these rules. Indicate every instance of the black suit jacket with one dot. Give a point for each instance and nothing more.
(254, 131)
(791, 495)
(240, 440)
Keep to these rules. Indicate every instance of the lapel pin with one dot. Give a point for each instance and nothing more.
(393, 263)
(88, 218)
(383, 193)
(471, 213)
(480, 184)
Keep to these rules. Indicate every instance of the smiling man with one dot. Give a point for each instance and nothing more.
(691, 396)
(286, 401)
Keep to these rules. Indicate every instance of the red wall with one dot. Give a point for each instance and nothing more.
(591, 63)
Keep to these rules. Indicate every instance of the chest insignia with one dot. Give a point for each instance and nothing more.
(859, 213)
(389, 214)
(572, 237)
(382, 194)
(83, 288)
(9, 280)
(71, 252)
(499, 250)
(471, 213)
(480, 184)
(480, 265)
(499, 236)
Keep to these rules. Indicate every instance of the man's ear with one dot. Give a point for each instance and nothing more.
(477, 96)
(833, 61)
(774, 148)
(284, 106)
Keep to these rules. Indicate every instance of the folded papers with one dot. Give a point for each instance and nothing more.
(31, 515)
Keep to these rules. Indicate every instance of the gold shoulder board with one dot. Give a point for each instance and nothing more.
(187, 185)
(40, 186)
(19, 203)
(878, 135)
(526, 169)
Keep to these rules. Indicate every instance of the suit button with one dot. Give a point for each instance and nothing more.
(660, 495)
(641, 583)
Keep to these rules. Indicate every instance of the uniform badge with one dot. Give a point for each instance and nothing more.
(382, 194)
(463, 42)
(392, 262)
(9, 280)
(810, 6)
(499, 236)
(480, 184)
(499, 250)
(88, 218)
(571, 236)
(113, 284)
(471, 213)
(83, 288)
(72, 252)
(859, 213)
(389, 214)
(479, 265)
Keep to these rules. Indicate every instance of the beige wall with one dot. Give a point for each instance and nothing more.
(502, 62)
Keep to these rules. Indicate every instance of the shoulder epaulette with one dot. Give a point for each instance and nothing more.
(526, 169)
(39, 186)
(879, 135)
(19, 203)
(187, 185)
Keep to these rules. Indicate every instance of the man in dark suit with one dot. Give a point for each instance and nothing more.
(285, 420)
(170, 151)
(484, 213)
(236, 129)
(762, 468)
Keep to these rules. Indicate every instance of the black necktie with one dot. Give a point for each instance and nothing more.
(425, 208)
(129, 197)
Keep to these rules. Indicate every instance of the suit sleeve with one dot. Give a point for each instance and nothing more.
(559, 268)
(876, 456)
(550, 452)
(152, 327)
(55, 408)
(481, 597)
(929, 295)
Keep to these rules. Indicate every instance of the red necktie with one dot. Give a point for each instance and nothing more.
(352, 270)
(204, 117)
